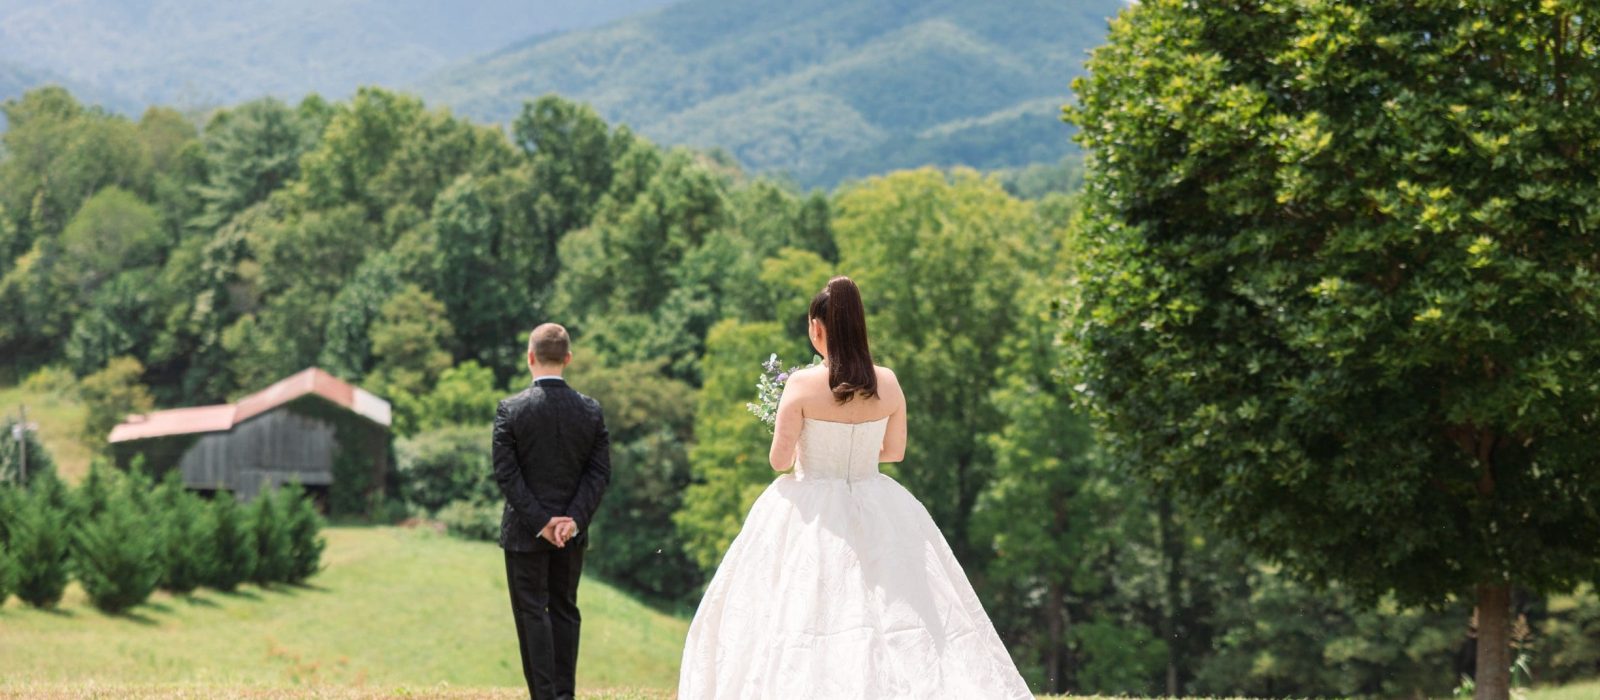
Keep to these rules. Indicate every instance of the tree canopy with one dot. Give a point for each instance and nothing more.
(1337, 286)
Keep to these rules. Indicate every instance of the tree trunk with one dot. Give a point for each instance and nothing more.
(1052, 661)
(1172, 548)
(1069, 663)
(958, 528)
(1493, 676)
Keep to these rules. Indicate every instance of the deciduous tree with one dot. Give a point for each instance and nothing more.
(1339, 286)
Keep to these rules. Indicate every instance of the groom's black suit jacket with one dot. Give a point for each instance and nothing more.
(552, 456)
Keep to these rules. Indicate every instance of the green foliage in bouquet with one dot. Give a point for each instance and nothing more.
(769, 389)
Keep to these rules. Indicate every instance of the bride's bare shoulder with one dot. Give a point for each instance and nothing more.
(887, 380)
(813, 372)
(809, 377)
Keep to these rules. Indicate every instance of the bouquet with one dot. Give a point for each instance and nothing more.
(769, 388)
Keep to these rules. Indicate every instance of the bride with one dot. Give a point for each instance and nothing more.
(840, 586)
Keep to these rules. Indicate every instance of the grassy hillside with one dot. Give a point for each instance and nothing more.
(192, 52)
(59, 418)
(823, 89)
(395, 607)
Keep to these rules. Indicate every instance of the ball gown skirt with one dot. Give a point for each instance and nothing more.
(840, 586)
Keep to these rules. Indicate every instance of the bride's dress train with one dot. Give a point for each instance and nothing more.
(840, 586)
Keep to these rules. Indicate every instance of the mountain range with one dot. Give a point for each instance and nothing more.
(822, 90)
(198, 53)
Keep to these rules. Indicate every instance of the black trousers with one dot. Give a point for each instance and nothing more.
(544, 602)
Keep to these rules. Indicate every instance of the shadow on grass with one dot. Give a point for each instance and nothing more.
(683, 609)
(661, 604)
(355, 521)
(136, 617)
(196, 600)
(240, 594)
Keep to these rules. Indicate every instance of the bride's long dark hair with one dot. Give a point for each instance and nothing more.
(850, 368)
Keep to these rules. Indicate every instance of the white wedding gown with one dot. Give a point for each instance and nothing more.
(840, 587)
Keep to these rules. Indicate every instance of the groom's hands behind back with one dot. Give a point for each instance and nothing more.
(559, 530)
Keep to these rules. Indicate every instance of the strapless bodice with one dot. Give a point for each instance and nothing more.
(833, 450)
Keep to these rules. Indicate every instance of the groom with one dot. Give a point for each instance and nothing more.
(552, 459)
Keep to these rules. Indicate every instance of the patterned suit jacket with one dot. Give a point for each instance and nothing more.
(552, 456)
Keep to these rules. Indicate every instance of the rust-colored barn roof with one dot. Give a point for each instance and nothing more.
(211, 419)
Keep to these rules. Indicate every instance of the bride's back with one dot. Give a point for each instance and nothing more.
(833, 450)
(818, 429)
(847, 390)
(816, 399)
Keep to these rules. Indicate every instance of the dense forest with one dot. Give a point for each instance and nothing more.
(172, 261)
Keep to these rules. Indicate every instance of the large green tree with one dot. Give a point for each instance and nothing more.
(1339, 286)
(251, 151)
(47, 288)
(481, 272)
(662, 262)
(1050, 511)
(109, 396)
(941, 259)
(408, 340)
(357, 144)
(729, 458)
(58, 153)
(177, 165)
(121, 319)
(571, 154)
(635, 543)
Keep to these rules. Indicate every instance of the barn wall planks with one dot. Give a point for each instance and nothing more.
(275, 448)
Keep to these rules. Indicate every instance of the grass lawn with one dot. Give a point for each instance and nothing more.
(76, 691)
(395, 608)
(1588, 690)
(59, 418)
(397, 614)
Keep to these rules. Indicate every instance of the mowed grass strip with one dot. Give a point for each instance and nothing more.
(96, 691)
(394, 608)
(1586, 690)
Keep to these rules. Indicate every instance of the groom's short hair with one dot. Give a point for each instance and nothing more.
(549, 344)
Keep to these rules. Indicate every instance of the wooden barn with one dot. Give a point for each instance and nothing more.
(311, 428)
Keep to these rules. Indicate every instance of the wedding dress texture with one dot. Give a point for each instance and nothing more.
(840, 587)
